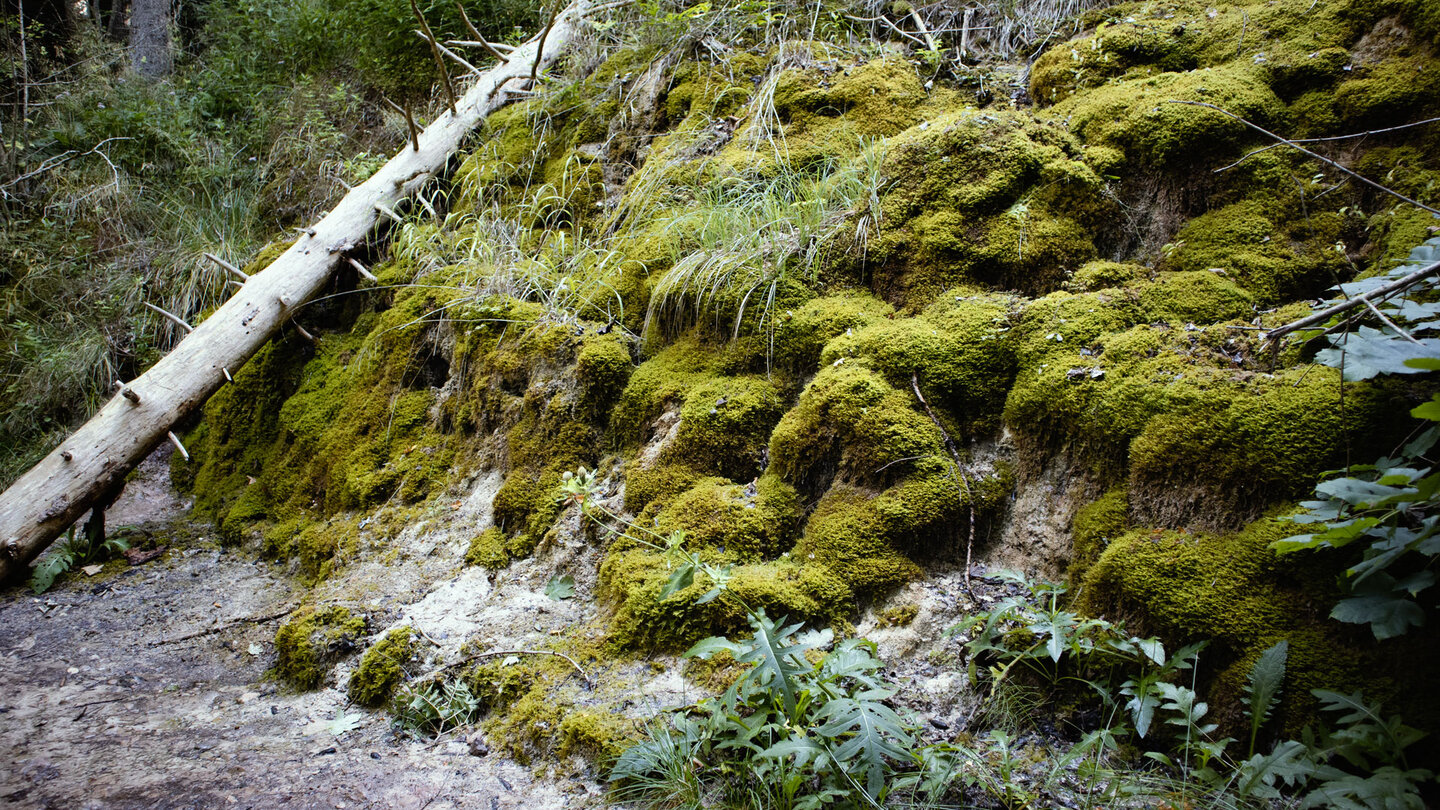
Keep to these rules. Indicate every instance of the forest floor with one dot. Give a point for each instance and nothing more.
(146, 686)
(105, 704)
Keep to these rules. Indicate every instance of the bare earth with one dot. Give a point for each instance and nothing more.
(144, 687)
(100, 706)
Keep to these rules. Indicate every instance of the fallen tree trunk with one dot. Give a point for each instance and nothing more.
(55, 493)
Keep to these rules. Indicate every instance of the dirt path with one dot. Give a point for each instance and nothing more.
(99, 708)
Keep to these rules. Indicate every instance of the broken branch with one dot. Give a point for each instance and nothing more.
(1327, 161)
(180, 322)
(1377, 294)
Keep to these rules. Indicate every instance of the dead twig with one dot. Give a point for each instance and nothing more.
(474, 71)
(959, 470)
(540, 48)
(409, 122)
(479, 38)
(1364, 299)
(429, 36)
(210, 631)
(1327, 161)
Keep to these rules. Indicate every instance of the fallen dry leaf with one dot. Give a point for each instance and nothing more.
(137, 557)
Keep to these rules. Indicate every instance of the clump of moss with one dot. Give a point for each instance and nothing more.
(897, 615)
(662, 379)
(958, 351)
(599, 737)
(850, 420)
(724, 425)
(602, 367)
(994, 198)
(631, 580)
(1115, 47)
(1269, 439)
(382, 668)
(1273, 260)
(1137, 116)
(744, 523)
(1101, 274)
(1201, 296)
(1094, 526)
(311, 641)
(847, 534)
(822, 109)
(802, 333)
(1234, 591)
(488, 549)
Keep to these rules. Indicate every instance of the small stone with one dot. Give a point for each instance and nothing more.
(246, 697)
(478, 748)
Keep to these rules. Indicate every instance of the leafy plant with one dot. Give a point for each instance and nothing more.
(818, 730)
(432, 709)
(1389, 510)
(560, 588)
(76, 550)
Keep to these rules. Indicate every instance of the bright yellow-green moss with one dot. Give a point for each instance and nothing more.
(1094, 526)
(661, 380)
(382, 668)
(1137, 116)
(488, 549)
(1228, 440)
(1115, 46)
(823, 109)
(1273, 260)
(897, 615)
(740, 522)
(958, 351)
(1234, 591)
(1200, 296)
(847, 534)
(599, 737)
(801, 333)
(312, 640)
(602, 367)
(849, 420)
(725, 424)
(631, 580)
(996, 198)
(1265, 439)
(1100, 274)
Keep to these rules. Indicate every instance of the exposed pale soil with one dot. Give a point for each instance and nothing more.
(145, 687)
(102, 707)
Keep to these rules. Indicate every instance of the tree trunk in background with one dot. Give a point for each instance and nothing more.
(95, 459)
(112, 17)
(150, 47)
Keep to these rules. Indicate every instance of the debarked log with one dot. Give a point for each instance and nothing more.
(52, 495)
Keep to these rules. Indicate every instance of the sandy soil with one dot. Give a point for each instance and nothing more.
(104, 702)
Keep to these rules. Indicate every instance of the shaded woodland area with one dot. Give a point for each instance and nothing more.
(749, 405)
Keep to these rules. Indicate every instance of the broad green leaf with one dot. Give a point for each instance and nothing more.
(707, 647)
(1388, 616)
(681, 579)
(560, 587)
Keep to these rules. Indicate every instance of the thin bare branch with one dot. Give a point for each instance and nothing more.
(1377, 294)
(480, 39)
(439, 60)
(1327, 161)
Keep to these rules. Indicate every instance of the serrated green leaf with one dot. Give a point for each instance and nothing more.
(681, 579)
(1388, 616)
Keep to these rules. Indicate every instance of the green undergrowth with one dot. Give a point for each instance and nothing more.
(382, 668)
(819, 316)
(311, 641)
(1235, 591)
